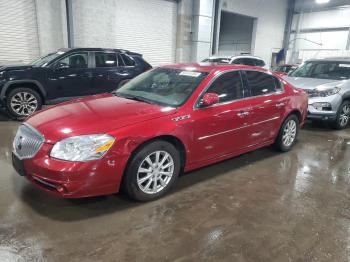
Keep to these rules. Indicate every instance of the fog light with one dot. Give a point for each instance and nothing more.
(322, 106)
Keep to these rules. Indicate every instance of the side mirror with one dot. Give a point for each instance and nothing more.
(209, 99)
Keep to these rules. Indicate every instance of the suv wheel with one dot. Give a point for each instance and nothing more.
(152, 171)
(23, 102)
(288, 133)
(342, 119)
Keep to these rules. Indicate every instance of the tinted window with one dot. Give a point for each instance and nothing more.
(228, 87)
(77, 60)
(261, 83)
(127, 60)
(105, 59)
(244, 61)
(259, 63)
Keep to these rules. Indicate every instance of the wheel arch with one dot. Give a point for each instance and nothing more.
(35, 85)
(175, 141)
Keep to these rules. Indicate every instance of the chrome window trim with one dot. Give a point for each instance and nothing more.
(277, 92)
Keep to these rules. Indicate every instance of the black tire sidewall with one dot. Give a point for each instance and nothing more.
(279, 142)
(130, 186)
(12, 113)
(337, 120)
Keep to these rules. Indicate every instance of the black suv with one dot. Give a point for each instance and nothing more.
(66, 74)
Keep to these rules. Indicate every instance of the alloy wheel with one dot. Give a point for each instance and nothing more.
(289, 133)
(155, 172)
(24, 103)
(344, 115)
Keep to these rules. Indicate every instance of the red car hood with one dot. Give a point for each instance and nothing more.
(93, 115)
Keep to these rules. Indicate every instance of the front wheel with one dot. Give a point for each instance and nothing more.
(288, 133)
(152, 171)
(23, 102)
(342, 119)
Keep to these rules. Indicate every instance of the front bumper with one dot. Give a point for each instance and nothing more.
(72, 179)
(330, 114)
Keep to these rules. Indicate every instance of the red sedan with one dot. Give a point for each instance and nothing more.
(168, 120)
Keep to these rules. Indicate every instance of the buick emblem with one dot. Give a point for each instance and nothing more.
(19, 143)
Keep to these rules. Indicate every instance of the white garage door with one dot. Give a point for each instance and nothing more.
(18, 31)
(144, 26)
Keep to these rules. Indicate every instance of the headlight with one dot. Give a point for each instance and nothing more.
(82, 148)
(2, 74)
(327, 92)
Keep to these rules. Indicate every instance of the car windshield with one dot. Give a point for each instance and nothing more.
(217, 60)
(43, 61)
(283, 69)
(323, 70)
(163, 86)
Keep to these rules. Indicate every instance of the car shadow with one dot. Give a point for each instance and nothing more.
(80, 209)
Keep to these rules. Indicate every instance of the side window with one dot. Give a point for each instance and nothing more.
(259, 63)
(104, 59)
(238, 61)
(249, 61)
(228, 86)
(127, 60)
(261, 83)
(77, 60)
(120, 61)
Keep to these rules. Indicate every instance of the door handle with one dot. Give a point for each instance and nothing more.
(280, 105)
(243, 113)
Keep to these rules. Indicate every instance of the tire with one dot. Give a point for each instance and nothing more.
(23, 102)
(342, 119)
(284, 141)
(139, 184)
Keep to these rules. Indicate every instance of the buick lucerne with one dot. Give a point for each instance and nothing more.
(168, 120)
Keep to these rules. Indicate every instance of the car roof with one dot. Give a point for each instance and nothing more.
(332, 59)
(95, 49)
(209, 67)
(234, 57)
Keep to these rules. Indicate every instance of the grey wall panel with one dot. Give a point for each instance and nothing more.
(18, 31)
(145, 26)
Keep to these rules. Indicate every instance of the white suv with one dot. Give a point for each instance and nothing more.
(238, 60)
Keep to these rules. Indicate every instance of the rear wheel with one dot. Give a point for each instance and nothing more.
(288, 133)
(23, 102)
(342, 119)
(152, 171)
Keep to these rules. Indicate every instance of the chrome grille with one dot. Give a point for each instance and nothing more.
(27, 142)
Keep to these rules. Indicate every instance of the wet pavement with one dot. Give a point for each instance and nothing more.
(262, 206)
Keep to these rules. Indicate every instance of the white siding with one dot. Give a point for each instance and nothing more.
(18, 31)
(144, 26)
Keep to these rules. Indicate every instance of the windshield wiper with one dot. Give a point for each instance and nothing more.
(132, 97)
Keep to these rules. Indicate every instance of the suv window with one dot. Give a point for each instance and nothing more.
(259, 62)
(228, 86)
(244, 61)
(76, 60)
(104, 59)
(261, 83)
(127, 60)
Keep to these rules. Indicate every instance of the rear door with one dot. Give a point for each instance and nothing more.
(267, 101)
(110, 68)
(221, 128)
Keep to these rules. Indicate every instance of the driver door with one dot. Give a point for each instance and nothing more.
(71, 76)
(223, 127)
